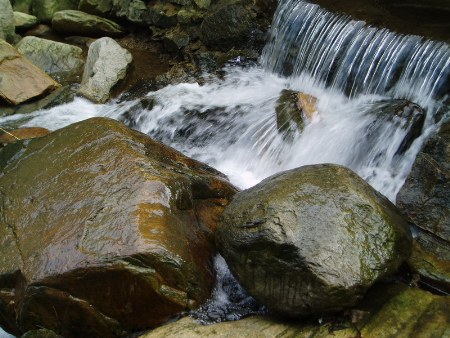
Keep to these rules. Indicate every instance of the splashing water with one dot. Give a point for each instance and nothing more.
(351, 68)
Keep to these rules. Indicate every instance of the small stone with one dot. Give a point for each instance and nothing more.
(23, 21)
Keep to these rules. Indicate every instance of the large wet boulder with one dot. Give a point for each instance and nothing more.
(107, 64)
(6, 21)
(21, 134)
(71, 22)
(425, 199)
(21, 80)
(45, 9)
(392, 311)
(61, 61)
(312, 240)
(104, 231)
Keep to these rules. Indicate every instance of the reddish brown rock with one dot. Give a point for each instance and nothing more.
(109, 228)
(20, 79)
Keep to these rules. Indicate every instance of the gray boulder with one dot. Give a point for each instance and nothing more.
(23, 6)
(312, 240)
(61, 61)
(23, 21)
(107, 64)
(71, 22)
(45, 9)
(133, 10)
(6, 21)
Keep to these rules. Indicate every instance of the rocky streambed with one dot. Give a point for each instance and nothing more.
(107, 232)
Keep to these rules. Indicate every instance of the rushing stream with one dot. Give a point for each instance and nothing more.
(230, 123)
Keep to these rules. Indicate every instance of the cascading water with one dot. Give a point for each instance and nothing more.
(354, 71)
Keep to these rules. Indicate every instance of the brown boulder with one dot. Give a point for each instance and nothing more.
(20, 79)
(108, 228)
(21, 134)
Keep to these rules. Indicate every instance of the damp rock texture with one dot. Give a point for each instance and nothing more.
(312, 240)
(104, 231)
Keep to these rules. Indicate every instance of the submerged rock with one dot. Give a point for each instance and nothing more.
(61, 61)
(392, 311)
(21, 80)
(71, 22)
(291, 109)
(312, 240)
(124, 226)
(107, 64)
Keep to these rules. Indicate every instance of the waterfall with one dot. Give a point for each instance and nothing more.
(353, 57)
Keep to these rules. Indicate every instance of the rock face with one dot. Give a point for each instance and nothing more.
(23, 21)
(425, 199)
(394, 312)
(6, 21)
(227, 26)
(312, 240)
(79, 23)
(21, 80)
(45, 9)
(124, 226)
(61, 61)
(107, 63)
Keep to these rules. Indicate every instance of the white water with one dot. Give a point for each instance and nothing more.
(231, 123)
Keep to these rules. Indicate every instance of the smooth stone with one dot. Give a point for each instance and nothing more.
(23, 21)
(6, 21)
(44, 10)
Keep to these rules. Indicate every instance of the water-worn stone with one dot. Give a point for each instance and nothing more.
(61, 61)
(44, 10)
(163, 15)
(55, 98)
(227, 26)
(425, 195)
(6, 21)
(124, 226)
(23, 21)
(291, 109)
(97, 7)
(425, 199)
(134, 11)
(312, 240)
(21, 80)
(394, 311)
(174, 40)
(71, 22)
(21, 134)
(107, 64)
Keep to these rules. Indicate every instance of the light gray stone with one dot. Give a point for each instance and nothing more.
(107, 63)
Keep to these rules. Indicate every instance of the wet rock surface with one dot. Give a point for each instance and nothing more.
(21, 134)
(393, 311)
(125, 227)
(61, 61)
(107, 63)
(425, 199)
(21, 80)
(312, 240)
